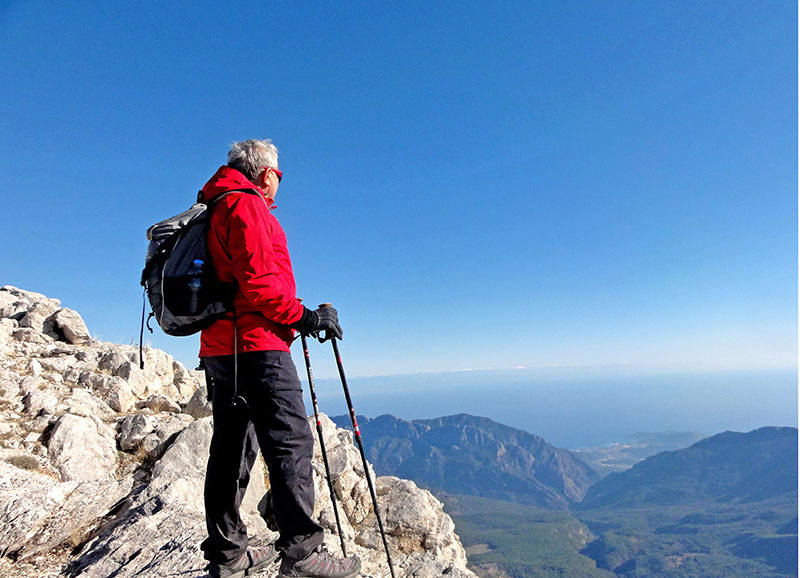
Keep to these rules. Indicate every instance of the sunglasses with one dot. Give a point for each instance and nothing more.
(278, 173)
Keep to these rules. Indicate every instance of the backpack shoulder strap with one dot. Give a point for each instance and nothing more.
(219, 197)
(213, 202)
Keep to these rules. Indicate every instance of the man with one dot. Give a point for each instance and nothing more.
(257, 390)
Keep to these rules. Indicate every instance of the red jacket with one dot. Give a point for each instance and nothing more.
(248, 246)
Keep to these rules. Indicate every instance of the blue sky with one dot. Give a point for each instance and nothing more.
(473, 185)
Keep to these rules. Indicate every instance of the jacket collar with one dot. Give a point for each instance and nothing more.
(228, 179)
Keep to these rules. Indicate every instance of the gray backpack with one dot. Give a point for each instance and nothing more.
(178, 277)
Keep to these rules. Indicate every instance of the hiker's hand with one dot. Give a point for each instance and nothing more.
(328, 322)
(323, 319)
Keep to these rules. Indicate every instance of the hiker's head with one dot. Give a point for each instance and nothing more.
(258, 161)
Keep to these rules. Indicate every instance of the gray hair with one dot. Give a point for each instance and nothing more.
(248, 156)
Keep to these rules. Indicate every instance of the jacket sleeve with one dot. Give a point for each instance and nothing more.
(260, 260)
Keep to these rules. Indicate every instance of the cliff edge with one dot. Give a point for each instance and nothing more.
(102, 465)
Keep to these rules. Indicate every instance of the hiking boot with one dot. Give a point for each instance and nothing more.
(248, 563)
(321, 564)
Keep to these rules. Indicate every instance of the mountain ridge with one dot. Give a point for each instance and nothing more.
(468, 454)
(724, 507)
(727, 466)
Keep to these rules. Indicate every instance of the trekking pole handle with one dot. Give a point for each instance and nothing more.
(327, 332)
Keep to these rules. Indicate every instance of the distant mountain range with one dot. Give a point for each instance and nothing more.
(464, 454)
(723, 507)
(728, 467)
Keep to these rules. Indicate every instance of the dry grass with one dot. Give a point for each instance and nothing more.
(45, 565)
(24, 462)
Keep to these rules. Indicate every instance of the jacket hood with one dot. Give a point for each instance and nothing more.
(226, 179)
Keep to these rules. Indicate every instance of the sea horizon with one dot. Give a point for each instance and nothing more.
(579, 409)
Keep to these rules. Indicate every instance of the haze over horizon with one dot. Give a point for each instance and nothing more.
(473, 185)
(581, 408)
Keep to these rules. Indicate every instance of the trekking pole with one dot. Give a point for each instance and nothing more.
(322, 441)
(360, 446)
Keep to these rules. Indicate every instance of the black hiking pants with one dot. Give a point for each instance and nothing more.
(274, 418)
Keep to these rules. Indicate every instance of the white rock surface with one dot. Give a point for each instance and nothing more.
(198, 405)
(67, 324)
(99, 454)
(83, 448)
(38, 513)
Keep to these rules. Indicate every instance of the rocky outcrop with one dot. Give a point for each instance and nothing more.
(82, 448)
(102, 465)
(39, 513)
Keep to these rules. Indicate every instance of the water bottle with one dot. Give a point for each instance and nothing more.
(195, 285)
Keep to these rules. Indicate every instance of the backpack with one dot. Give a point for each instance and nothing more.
(179, 278)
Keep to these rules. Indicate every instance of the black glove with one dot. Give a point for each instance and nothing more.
(323, 319)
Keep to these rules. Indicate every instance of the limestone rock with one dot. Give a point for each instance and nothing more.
(38, 317)
(37, 513)
(347, 473)
(82, 448)
(27, 334)
(29, 309)
(186, 382)
(115, 391)
(118, 396)
(418, 520)
(161, 528)
(150, 433)
(198, 406)
(57, 363)
(31, 383)
(9, 385)
(67, 325)
(159, 403)
(111, 360)
(134, 429)
(138, 510)
(82, 403)
(420, 534)
(10, 305)
(20, 300)
(40, 401)
(7, 328)
(156, 378)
